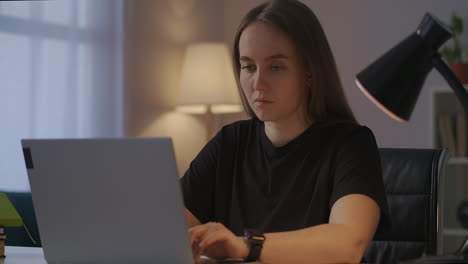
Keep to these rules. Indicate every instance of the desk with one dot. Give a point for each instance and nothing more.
(23, 255)
(33, 255)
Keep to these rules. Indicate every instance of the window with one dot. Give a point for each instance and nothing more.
(60, 75)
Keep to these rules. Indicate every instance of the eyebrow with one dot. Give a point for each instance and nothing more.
(276, 56)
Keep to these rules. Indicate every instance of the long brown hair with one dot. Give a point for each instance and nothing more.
(325, 97)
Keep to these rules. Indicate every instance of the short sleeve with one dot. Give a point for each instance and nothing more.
(358, 169)
(198, 181)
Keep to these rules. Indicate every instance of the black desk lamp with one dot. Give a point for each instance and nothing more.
(393, 82)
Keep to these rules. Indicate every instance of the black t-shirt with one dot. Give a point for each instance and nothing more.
(241, 180)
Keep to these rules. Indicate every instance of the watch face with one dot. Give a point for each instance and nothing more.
(258, 238)
(254, 234)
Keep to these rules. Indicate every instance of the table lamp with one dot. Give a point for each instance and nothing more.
(208, 85)
(8, 217)
(393, 82)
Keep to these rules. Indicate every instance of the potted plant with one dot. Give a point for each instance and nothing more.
(454, 53)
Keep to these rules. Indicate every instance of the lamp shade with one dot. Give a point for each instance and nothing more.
(208, 80)
(394, 81)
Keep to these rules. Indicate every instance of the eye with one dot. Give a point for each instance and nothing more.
(276, 67)
(249, 68)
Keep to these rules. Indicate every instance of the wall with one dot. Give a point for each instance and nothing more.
(157, 33)
(359, 31)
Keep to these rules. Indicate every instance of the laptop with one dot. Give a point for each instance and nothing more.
(107, 200)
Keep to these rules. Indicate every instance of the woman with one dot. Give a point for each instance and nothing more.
(302, 177)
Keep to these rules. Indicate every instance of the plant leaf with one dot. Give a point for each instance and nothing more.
(457, 25)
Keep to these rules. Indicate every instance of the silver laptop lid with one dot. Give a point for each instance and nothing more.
(107, 200)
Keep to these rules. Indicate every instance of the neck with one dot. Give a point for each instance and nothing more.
(282, 132)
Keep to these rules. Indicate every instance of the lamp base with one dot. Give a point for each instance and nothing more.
(209, 122)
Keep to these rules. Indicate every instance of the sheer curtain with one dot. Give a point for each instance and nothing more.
(60, 75)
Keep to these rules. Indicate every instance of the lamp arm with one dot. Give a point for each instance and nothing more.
(462, 95)
(453, 81)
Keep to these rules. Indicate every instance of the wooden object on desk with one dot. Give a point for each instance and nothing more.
(2, 242)
(8, 217)
(2, 248)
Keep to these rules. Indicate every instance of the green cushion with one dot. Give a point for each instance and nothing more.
(17, 236)
(8, 214)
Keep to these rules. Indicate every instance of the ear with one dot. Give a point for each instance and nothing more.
(309, 74)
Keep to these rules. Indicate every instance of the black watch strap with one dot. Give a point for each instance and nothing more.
(255, 241)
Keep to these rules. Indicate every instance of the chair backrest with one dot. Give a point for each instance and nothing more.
(411, 179)
(17, 236)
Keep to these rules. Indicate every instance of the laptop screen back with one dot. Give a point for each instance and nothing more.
(107, 200)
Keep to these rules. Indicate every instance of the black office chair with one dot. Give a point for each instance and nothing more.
(17, 236)
(411, 179)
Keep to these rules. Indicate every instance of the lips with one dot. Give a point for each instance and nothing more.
(262, 101)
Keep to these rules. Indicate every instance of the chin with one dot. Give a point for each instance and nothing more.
(265, 117)
(268, 115)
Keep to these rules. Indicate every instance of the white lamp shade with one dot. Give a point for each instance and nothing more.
(208, 79)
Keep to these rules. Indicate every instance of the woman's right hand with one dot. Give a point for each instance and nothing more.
(216, 241)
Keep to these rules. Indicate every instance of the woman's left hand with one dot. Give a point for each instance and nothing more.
(216, 241)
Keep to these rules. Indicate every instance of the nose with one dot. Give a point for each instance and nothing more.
(260, 82)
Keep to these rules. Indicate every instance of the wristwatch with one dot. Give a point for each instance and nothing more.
(255, 241)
